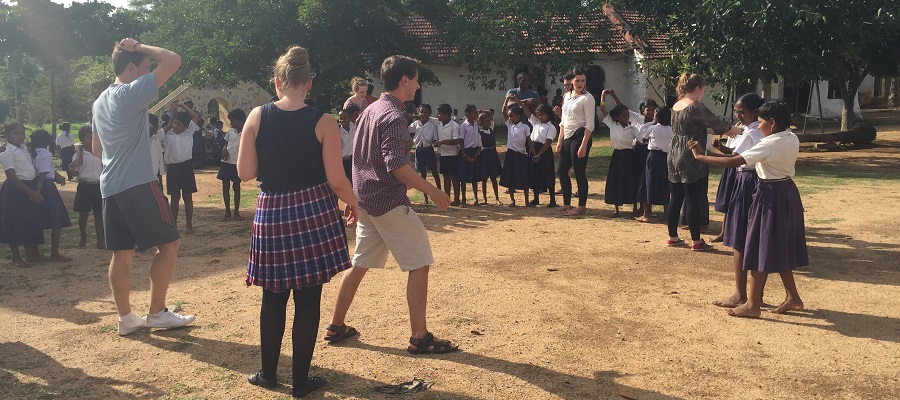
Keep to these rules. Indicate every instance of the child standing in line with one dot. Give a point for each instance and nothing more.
(515, 167)
(19, 199)
(621, 180)
(157, 136)
(655, 190)
(228, 166)
(87, 169)
(65, 145)
(471, 149)
(455, 117)
(448, 147)
(490, 161)
(776, 233)
(648, 110)
(348, 129)
(178, 147)
(53, 213)
(425, 131)
(542, 174)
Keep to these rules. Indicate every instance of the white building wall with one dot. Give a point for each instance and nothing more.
(245, 95)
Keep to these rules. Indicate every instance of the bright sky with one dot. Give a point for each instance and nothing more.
(117, 3)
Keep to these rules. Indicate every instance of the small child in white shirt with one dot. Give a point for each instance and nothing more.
(228, 168)
(87, 168)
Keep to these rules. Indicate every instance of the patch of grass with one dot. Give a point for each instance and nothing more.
(180, 391)
(108, 328)
(825, 221)
(817, 179)
(214, 326)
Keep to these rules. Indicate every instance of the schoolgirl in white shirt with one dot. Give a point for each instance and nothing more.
(20, 198)
(178, 147)
(655, 187)
(622, 178)
(542, 173)
(228, 167)
(425, 133)
(88, 199)
(517, 163)
(53, 214)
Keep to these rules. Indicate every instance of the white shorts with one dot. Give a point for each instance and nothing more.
(400, 232)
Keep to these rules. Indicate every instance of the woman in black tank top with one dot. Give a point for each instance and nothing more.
(298, 242)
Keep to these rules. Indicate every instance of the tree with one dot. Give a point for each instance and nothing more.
(737, 40)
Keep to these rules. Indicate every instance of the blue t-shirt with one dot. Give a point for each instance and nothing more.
(120, 119)
(522, 95)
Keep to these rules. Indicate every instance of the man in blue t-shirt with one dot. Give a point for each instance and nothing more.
(135, 212)
(523, 90)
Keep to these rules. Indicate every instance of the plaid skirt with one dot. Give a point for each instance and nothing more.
(298, 240)
(776, 234)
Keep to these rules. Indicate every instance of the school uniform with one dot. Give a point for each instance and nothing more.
(18, 214)
(87, 195)
(655, 187)
(490, 161)
(449, 152)
(228, 166)
(53, 213)
(156, 155)
(745, 181)
(517, 162)
(66, 143)
(469, 171)
(749, 137)
(425, 134)
(542, 175)
(641, 150)
(178, 149)
(621, 180)
(776, 233)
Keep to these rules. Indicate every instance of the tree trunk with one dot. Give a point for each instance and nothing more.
(894, 93)
(53, 105)
(847, 114)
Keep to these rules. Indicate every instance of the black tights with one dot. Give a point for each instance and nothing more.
(272, 318)
(569, 158)
(692, 196)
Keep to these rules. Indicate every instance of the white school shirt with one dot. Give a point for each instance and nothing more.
(65, 139)
(156, 152)
(450, 131)
(468, 132)
(660, 137)
(346, 141)
(19, 159)
(179, 147)
(517, 137)
(774, 155)
(91, 167)
(542, 132)
(621, 137)
(425, 133)
(749, 137)
(43, 163)
(578, 111)
(233, 139)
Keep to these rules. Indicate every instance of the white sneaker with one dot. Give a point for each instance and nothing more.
(130, 323)
(166, 319)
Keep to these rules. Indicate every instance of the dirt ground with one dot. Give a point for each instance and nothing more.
(544, 307)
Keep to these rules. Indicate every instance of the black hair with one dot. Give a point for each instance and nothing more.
(154, 120)
(649, 103)
(664, 116)
(545, 109)
(426, 106)
(455, 111)
(577, 71)
(189, 103)
(352, 107)
(469, 107)
(369, 88)
(778, 111)
(65, 126)
(85, 132)
(219, 124)
(751, 101)
(483, 116)
(183, 117)
(521, 113)
(9, 127)
(617, 110)
(237, 115)
(445, 109)
(40, 139)
(569, 76)
(394, 68)
(558, 91)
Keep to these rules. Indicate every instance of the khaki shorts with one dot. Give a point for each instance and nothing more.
(399, 232)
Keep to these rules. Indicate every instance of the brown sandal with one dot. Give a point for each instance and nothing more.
(343, 332)
(430, 345)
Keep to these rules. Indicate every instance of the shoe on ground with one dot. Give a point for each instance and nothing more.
(166, 319)
(130, 323)
(702, 246)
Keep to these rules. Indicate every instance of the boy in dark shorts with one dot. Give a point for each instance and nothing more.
(228, 167)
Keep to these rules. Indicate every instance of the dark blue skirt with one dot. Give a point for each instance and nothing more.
(655, 187)
(726, 188)
(776, 234)
(515, 171)
(641, 152)
(19, 216)
(542, 175)
(228, 172)
(735, 230)
(53, 213)
(426, 159)
(469, 171)
(490, 163)
(621, 180)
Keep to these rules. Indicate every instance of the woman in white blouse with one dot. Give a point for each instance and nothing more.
(577, 124)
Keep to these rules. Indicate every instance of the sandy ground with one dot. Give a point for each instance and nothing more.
(620, 316)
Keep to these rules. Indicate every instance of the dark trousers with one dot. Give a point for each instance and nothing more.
(692, 196)
(65, 158)
(272, 316)
(567, 160)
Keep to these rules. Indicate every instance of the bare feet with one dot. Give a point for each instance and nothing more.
(565, 209)
(513, 204)
(189, 229)
(238, 217)
(226, 217)
(576, 211)
(35, 258)
(734, 301)
(455, 203)
(744, 311)
(20, 263)
(788, 305)
(642, 218)
(82, 243)
(615, 214)
(716, 239)
(59, 258)
(635, 213)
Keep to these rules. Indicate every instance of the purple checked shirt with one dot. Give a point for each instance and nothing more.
(382, 145)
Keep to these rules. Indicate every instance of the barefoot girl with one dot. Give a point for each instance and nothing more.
(469, 171)
(655, 188)
(53, 214)
(622, 178)
(516, 164)
(490, 160)
(19, 198)
(776, 235)
(542, 176)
